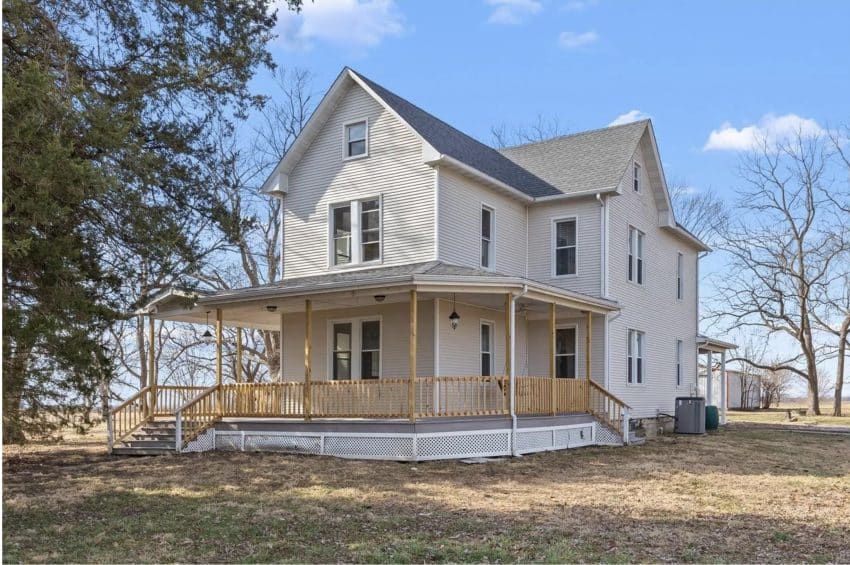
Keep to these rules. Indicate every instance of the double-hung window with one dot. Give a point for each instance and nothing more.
(370, 349)
(565, 353)
(355, 139)
(637, 177)
(355, 339)
(636, 265)
(565, 247)
(636, 364)
(679, 276)
(678, 362)
(486, 349)
(356, 232)
(487, 237)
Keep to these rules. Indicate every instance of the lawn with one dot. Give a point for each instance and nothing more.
(777, 415)
(742, 495)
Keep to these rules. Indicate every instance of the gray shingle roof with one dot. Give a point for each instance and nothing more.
(454, 143)
(590, 160)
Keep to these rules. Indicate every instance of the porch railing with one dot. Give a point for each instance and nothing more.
(129, 416)
(608, 408)
(196, 415)
(462, 396)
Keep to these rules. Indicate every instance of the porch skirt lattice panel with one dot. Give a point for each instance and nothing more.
(204, 442)
(607, 436)
(459, 445)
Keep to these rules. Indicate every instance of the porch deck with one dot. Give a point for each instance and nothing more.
(400, 406)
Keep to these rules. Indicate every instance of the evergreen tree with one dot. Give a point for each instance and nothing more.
(108, 113)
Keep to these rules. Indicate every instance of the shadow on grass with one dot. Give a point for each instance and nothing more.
(283, 524)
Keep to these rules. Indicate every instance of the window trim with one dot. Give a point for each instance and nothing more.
(345, 155)
(636, 180)
(356, 233)
(632, 359)
(492, 352)
(554, 246)
(680, 276)
(356, 345)
(679, 358)
(492, 241)
(567, 326)
(635, 260)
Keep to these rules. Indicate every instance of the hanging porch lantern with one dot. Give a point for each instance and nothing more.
(207, 337)
(454, 317)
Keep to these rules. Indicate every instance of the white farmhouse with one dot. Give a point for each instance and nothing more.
(441, 298)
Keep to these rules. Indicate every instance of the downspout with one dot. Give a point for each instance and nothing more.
(282, 214)
(512, 368)
(603, 279)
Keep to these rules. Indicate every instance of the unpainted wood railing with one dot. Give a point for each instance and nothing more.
(371, 398)
(608, 408)
(281, 400)
(129, 416)
(462, 396)
(197, 415)
(171, 397)
(545, 395)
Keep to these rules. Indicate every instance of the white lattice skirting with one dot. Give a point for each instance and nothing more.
(409, 446)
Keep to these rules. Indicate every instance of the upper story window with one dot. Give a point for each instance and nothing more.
(637, 177)
(487, 236)
(356, 232)
(565, 247)
(678, 362)
(636, 265)
(680, 260)
(356, 144)
(636, 364)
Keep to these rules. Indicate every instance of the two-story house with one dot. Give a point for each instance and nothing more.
(441, 298)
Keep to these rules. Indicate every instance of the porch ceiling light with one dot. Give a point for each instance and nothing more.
(208, 336)
(454, 317)
(271, 308)
(380, 297)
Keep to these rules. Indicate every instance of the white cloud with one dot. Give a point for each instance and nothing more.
(349, 23)
(512, 12)
(579, 5)
(770, 129)
(629, 117)
(574, 40)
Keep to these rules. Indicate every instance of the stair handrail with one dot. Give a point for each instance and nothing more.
(205, 419)
(122, 422)
(620, 420)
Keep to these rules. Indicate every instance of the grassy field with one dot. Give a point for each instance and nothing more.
(742, 494)
(777, 415)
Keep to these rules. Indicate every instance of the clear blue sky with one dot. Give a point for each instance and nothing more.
(692, 67)
(709, 74)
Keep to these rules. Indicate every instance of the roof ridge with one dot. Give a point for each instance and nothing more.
(576, 134)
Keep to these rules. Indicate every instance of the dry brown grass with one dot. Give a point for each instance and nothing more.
(777, 415)
(738, 495)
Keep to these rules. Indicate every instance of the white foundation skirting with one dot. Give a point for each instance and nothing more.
(408, 446)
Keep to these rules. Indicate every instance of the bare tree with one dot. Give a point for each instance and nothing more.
(774, 385)
(542, 129)
(781, 249)
(702, 212)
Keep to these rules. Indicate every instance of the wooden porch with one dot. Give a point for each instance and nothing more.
(195, 409)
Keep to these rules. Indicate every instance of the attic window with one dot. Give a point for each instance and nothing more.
(637, 177)
(355, 139)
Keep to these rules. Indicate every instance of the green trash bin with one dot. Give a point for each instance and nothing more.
(712, 418)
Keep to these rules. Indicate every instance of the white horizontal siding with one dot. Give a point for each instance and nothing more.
(538, 346)
(651, 308)
(393, 170)
(541, 253)
(461, 199)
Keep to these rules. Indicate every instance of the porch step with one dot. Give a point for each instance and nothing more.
(153, 438)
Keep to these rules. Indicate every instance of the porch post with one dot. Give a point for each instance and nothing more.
(588, 346)
(152, 378)
(280, 350)
(709, 380)
(723, 386)
(552, 375)
(238, 375)
(508, 352)
(308, 361)
(218, 357)
(411, 383)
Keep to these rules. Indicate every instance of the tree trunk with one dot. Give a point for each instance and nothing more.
(814, 398)
(14, 375)
(839, 372)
